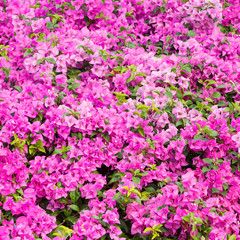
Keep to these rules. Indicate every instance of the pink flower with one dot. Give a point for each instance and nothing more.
(188, 179)
(212, 202)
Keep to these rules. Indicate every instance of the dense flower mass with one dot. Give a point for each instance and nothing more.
(119, 119)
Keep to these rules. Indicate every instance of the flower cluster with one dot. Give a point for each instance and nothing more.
(119, 119)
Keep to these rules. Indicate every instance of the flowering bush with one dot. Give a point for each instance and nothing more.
(119, 119)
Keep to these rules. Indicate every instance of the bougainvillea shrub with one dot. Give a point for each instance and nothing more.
(119, 119)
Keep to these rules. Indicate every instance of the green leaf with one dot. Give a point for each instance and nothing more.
(169, 94)
(41, 149)
(106, 137)
(187, 94)
(187, 68)
(20, 191)
(75, 85)
(58, 234)
(41, 170)
(57, 151)
(122, 29)
(110, 35)
(138, 201)
(148, 229)
(116, 196)
(168, 38)
(221, 86)
(136, 180)
(232, 237)
(62, 200)
(28, 52)
(72, 219)
(18, 88)
(121, 37)
(186, 218)
(211, 82)
(216, 95)
(49, 25)
(130, 45)
(141, 74)
(208, 160)
(32, 150)
(103, 2)
(200, 137)
(215, 190)
(191, 33)
(51, 60)
(100, 194)
(141, 131)
(74, 207)
(39, 61)
(95, 217)
(132, 35)
(205, 169)
(39, 143)
(221, 104)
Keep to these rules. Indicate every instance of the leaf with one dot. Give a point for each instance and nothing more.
(57, 151)
(208, 160)
(221, 86)
(221, 104)
(216, 95)
(72, 219)
(74, 195)
(169, 94)
(51, 60)
(136, 180)
(110, 35)
(58, 234)
(62, 200)
(20, 191)
(106, 137)
(232, 237)
(186, 218)
(205, 169)
(187, 68)
(187, 94)
(130, 45)
(18, 88)
(141, 74)
(32, 150)
(49, 25)
(141, 131)
(191, 33)
(122, 29)
(148, 229)
(41, 170)
(75, 85)
(95, 217)
(41, 149)
(103, 2)
(200, 137)
(168, 39)
(116, 196)
(121, 37)
(39, 61)
(28, 52)
(211, 82)
(74, 207)
(215, 190)
(132, 35)
(138, 201)
(39, 143)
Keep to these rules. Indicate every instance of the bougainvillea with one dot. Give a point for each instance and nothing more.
(119, 119)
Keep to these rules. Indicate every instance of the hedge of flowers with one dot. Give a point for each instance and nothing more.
(119, 119)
